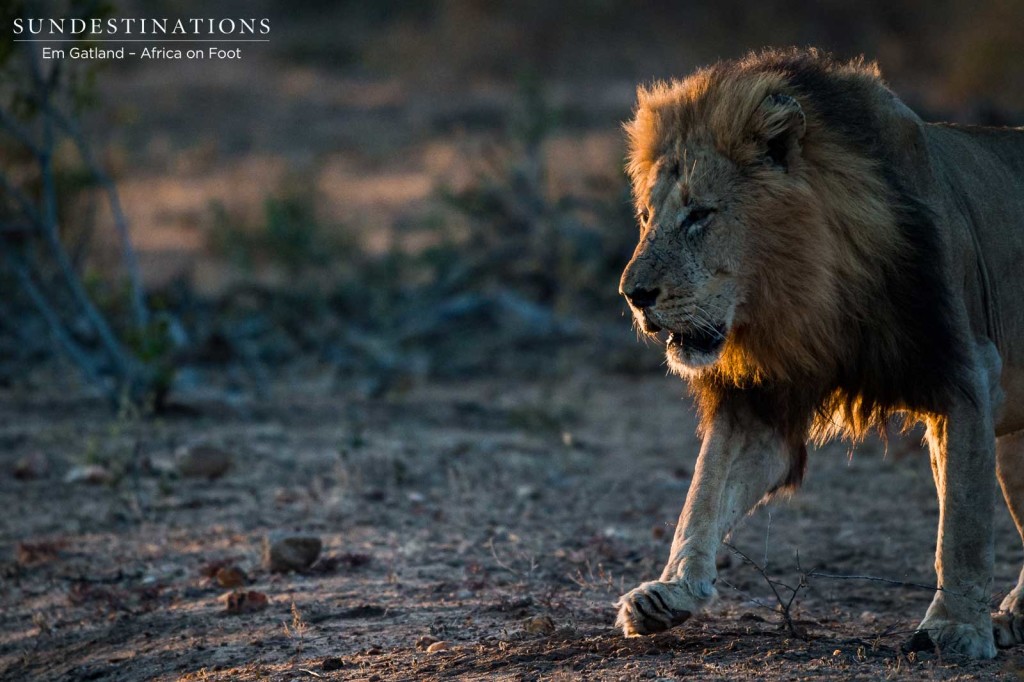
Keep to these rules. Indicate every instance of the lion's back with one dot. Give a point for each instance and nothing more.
(979, 198)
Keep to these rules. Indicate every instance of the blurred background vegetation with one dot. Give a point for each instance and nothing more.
(395, 191)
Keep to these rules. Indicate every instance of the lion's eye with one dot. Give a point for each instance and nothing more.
(696, 217)
(643, 216)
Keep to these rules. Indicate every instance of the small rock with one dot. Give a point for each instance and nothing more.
(527, 492)
(92, 474)
(204, 461)
(424, 642)
(33, 465)
(437, 646)
(539, 625)
(331, 664)
(283, 552)
(231, 576)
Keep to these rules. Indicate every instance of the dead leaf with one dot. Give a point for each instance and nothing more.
(539, 625)
(30, 553)
(33, 465)
(239, 602)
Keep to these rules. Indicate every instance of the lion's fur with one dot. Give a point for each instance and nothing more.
(844, 267)
(822, 259)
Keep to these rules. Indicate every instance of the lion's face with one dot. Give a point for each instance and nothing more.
(682, 279)
(702, 257)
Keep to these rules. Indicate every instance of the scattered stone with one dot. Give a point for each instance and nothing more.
(539, 625)
(437, 646)
(238, 602)
(363, 611)
(424, 642)
(332, 663)
(33, 465)
(30, 553)
(283, 552)
(204, 461)
(231, 576)
(527, 492)
(332, 562)
(93, 474)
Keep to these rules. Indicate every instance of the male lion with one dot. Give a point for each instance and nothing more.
(821, 259)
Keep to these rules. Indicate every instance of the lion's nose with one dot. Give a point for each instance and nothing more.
(642, 298)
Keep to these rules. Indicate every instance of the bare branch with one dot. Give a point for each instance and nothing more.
(60, 333)
(19, 132)
(131, 262)
(49, 225)
(24, 203)
(899, 583)
(785, 606)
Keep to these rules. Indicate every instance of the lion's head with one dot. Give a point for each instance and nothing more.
(697, 205)
(781, 241)
(740, 205)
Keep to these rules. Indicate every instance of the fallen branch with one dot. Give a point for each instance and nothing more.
(785, 608)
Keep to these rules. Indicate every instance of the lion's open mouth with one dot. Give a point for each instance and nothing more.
(704, 340)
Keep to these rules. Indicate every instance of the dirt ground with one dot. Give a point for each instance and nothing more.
(472, 530)
(500, 518)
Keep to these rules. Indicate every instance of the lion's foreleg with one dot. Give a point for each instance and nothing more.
(962, 446)
(740, 461)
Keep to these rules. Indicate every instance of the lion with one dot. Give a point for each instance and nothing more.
(817, 260)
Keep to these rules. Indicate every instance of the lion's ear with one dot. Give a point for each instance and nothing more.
(779, 124)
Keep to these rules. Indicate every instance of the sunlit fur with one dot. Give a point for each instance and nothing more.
(820, 344)
(862, 263)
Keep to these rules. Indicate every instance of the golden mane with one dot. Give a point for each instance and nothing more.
(838, 342)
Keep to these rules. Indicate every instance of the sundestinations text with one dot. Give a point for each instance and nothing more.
(141, 26)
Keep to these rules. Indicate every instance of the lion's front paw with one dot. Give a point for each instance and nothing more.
(1008, 624)
(654, 607)
(1008, 628)
(965, 639)
(1013, 602)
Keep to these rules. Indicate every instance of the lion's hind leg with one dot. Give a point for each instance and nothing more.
(962, 445)
(1008, 624)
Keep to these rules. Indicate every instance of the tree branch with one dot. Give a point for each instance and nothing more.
(64, 339)
(49, 225)
(131, 262)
